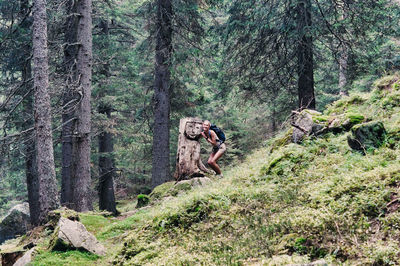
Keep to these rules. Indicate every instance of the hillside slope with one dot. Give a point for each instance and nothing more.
(294, 203)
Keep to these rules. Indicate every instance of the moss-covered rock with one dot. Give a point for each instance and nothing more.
(309, 122)
(174, 188)
(54, 216)
(366, 136)
(16, 222)
(142, 200)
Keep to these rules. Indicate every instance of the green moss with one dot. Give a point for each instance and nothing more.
(282, 141)
(179, 187)
(142, 200)
(161, 190)
(355, 118)
(386, 82)
(65, 258)
(320, 118)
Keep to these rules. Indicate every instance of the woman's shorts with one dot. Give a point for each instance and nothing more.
(221, 147)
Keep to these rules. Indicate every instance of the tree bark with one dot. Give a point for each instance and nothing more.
(27, 120)
(343, 55)
(161, 149)
(70, 100)
(76, 178)
(188, 161)
(305, 56)
(106, 147)
(48, 196)
(82, 198)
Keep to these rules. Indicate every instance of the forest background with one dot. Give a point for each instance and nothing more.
(233, 62)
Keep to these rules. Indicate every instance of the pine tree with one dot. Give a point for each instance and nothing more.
(76, 179)
(48, 195)
(162, 86)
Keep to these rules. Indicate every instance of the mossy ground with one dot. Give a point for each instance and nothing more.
(294, 203)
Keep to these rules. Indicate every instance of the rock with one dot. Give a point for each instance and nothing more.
(194, 182)
(366, 136)
(9, 258)
(25, 259)
(73, 235)
(142, 200)
(53, 217)
(310, 122)
(15, 223)
(303, 124)
(169, 189)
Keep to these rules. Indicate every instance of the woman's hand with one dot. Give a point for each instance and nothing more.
(204, 135)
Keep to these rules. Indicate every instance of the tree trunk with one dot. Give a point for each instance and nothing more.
(27, 116)
(82, 198)
(343, 55)
(305, 56)
(161, 165)
(48, 196)
(76, 179)
(106, 168)
(106, 148)
(343, 61)
(70, 100)
(188, 161)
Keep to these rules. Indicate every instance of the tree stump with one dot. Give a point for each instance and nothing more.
(188, 161)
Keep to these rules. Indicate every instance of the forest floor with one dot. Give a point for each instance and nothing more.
(286, 203)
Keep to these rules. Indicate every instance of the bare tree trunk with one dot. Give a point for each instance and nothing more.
(76, 178)
(48, 196)
(27, 116)
(106, 147)
(188, 161)
(305, 56)
(161, 165)
(106, 166)
(70, 100)
(82, 197)
(344, 55)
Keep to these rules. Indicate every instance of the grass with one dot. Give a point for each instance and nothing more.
(286, 203)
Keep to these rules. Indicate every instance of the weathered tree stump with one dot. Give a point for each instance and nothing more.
(188, 161)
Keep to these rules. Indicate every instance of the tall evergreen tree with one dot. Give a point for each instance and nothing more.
(48, 195)
(106, 146)
(25, 22)
(305, 65)
(162, 86)
(77, 114)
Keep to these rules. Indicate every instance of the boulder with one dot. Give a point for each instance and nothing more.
(366, 136)
(10, 257)
(310, 122)
(194, 182)
(169, 189)
(16, 222)
(25, 259)
(303, 124)
(73, 235)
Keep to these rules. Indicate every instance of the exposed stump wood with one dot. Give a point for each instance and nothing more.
(188, 161)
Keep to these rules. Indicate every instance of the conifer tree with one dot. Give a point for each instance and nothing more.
(48, 195)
